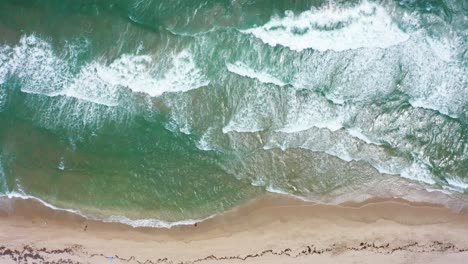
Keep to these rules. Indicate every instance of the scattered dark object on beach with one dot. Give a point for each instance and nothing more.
(85, 228)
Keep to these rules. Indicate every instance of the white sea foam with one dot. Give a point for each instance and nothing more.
(22, 195)
(418, 172)
(260, 181)
(357, 133)
(444, 191)
(38, 68)
(304, 123)
(442, 48)
(92, 85)
(153, 222)
(203, 143)
(458, 184)
(61, 165)
(311, 111)
(337, 144)
(332, 28)
(3, 184)
(433, 102)
(427, 104)
(149, 222)
(242, 69)
(42, 71)
(3, 97)
(5, 54)
(183, 75)
(136, 72)
(431, 81)
(272, 189)
(451, 189)
(241, 128)
(116, 219)
(347, 148)
(256, 111)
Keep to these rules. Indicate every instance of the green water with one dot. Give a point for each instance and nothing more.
(182, 109)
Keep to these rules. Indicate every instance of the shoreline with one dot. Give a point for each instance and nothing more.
(270, 229)
(419, 197)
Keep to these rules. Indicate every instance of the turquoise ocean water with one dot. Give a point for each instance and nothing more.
(174, 110)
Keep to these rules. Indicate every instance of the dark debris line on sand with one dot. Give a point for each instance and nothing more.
(29, 254)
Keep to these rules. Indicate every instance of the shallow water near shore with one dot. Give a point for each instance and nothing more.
(131, 110)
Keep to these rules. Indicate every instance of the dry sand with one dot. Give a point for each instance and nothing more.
(272, 229)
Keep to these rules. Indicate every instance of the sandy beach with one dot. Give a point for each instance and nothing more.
(272, 229)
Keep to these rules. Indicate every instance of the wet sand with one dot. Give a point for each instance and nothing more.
(271, 229)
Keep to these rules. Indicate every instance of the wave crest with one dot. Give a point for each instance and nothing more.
(332, 28)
